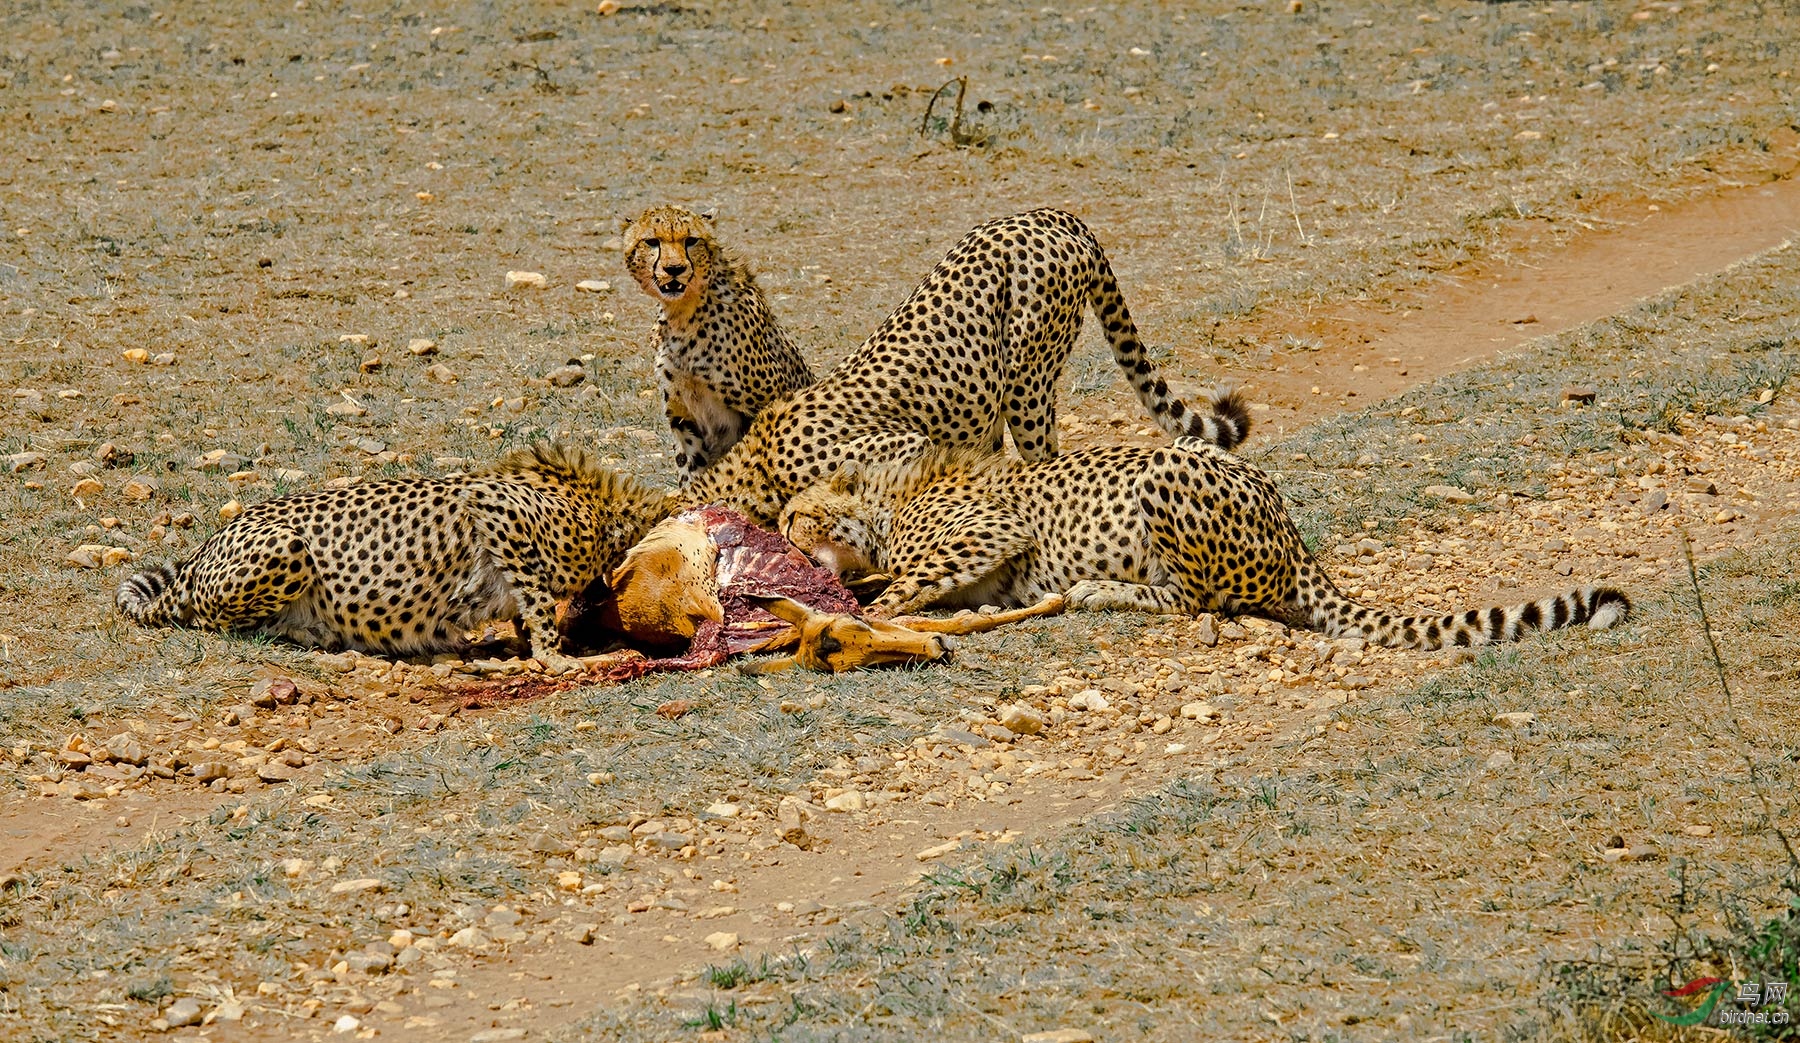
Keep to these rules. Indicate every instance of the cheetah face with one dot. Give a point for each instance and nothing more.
(824, 522)
(669, 251)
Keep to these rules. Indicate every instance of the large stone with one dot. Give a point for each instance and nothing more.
(183, 1012)
(1021, 719)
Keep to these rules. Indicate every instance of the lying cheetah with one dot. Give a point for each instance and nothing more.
(720, 355)
(1187, 529)
(404, 566)
(976, 351)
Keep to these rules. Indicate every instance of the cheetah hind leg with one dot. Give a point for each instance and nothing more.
(263, 597)
(1106, 595)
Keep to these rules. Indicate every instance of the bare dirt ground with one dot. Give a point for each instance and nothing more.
(275, 206)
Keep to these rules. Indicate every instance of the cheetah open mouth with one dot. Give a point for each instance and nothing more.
(673, 287)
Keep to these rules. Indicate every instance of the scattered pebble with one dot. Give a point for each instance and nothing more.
(1058, 1036)
(421, 346)
(183, 1012)
(721, 941)
(526, 280)
(1515, 719)
(230, 510)
(442, 374)
(593, 286)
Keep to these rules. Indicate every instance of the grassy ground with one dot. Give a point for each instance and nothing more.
(244, 189)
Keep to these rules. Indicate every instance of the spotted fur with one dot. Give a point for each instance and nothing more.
(977, 351)
(1185, 529)
(404, 566)
(720, 354)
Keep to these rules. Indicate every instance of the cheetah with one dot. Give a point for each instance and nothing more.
(974, 353)
(720, 355)
(1183, 529)
(403, 566)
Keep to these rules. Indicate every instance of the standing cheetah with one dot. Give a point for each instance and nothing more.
(976, 351)
(404, 566)
(720, 355)
(1187, 529)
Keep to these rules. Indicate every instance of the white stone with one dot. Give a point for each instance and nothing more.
(1088, 699)
(526, 280)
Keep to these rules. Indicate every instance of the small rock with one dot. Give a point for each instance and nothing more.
(370, 962)
(1021, 719)
(207, 771)
(1499, 759)
(669, 841)
(721, 941)
(87, 489)
(526, 280)
(721, 811)
(135, 356)
(346, 1023)
(674, 709)
(183, 1012)
(568, 880)
(849, 800)
(1450, 493)
(361, 340)
(87, 556)
(1701, 830)
(1654, 501)
(545, 844)
(346, 408)
(18, 462)
(567, 376)
(1089, 699)
(271, 692)
(230, 510)
(582, 934)
(421, 346)
(1699, 486)
(125, 749)
(219, 460)
(469, 938)
(1206, 632)
(273, 774)
(140, 487)
(372, 364)
(1058, 1036)
(1515, 719)
(367, 883)
(1198, 711)
(111, 455)
(593, 286)
(1577, 396)
(937, 850)
(441, 374)
(505, 1035)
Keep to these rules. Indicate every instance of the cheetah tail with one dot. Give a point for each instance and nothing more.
(1228, 425)
(1171, 413)
(1601, 608)
(153, 597)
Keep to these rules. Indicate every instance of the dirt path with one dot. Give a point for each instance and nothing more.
(1367, 354)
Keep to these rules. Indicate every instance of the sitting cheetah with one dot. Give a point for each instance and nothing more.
(976, 351)
(403, 566)
(1187, 529)
(720, 355)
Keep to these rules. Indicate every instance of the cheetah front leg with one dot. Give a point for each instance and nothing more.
(537, 618)
(957, 561)
(1106, 595)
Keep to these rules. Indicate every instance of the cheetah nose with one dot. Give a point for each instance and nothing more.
(674, 271)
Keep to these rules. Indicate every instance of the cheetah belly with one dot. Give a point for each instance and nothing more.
(1071, 545)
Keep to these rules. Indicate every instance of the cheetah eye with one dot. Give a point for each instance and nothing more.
(691, 242)
(653, 243)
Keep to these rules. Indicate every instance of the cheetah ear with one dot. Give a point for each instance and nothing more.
(709, 214)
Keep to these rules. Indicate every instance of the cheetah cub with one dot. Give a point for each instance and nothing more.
(720, 355)
(1185, 529)
(405, 566)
